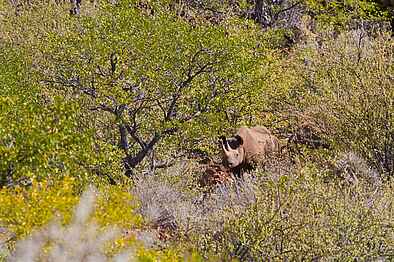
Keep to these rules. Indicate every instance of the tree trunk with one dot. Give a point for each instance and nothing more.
(260, 12)
(130, 162)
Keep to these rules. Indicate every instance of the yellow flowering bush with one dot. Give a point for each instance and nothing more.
(32, 214)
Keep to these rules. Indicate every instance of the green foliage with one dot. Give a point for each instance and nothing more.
(152, 74)
(341, 14)
(350, 91)
(133, 80)
(301, 218)
(38, 136)
(24, 211)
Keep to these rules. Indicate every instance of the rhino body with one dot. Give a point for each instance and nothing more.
(247, 146)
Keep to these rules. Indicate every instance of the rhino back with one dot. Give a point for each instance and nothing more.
(258, 142)
(253, 143)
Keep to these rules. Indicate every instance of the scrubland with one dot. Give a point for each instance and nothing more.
(110, 113)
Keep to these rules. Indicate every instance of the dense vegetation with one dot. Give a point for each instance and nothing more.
(124, 100)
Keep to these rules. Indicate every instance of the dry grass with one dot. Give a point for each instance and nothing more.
(166, 204)
(301, 216)
(281, 212)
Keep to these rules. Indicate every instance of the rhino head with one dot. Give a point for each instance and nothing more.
(233, 151)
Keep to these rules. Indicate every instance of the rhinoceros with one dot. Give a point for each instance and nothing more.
(247, 146)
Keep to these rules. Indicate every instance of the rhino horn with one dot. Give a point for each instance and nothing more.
(224, 143)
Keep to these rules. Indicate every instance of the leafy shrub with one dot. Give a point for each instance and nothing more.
(345, 14)
(193, 217)
(23, 209)
(37, 138)
(350, 87)
(149, 87)
(335, 94)
(130, 84)
(304, 218)
(78, 242)
(352, 168)
(99, 218)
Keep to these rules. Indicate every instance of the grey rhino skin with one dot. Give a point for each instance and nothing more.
(247, 146)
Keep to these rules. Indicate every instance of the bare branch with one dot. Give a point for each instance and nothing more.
(163, 164)
(284, 10)
(103, 107)
(132, 161)
(132, 132)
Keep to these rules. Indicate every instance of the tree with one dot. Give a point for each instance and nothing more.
(269, 12)
(154, 77)
(38, 137)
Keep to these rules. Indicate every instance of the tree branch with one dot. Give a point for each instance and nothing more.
(132, 161)
(283, 11)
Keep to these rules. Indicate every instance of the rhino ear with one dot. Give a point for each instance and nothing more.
(239, 139)
(223, 142)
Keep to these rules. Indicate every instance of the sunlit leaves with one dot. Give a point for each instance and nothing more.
(38, 137)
